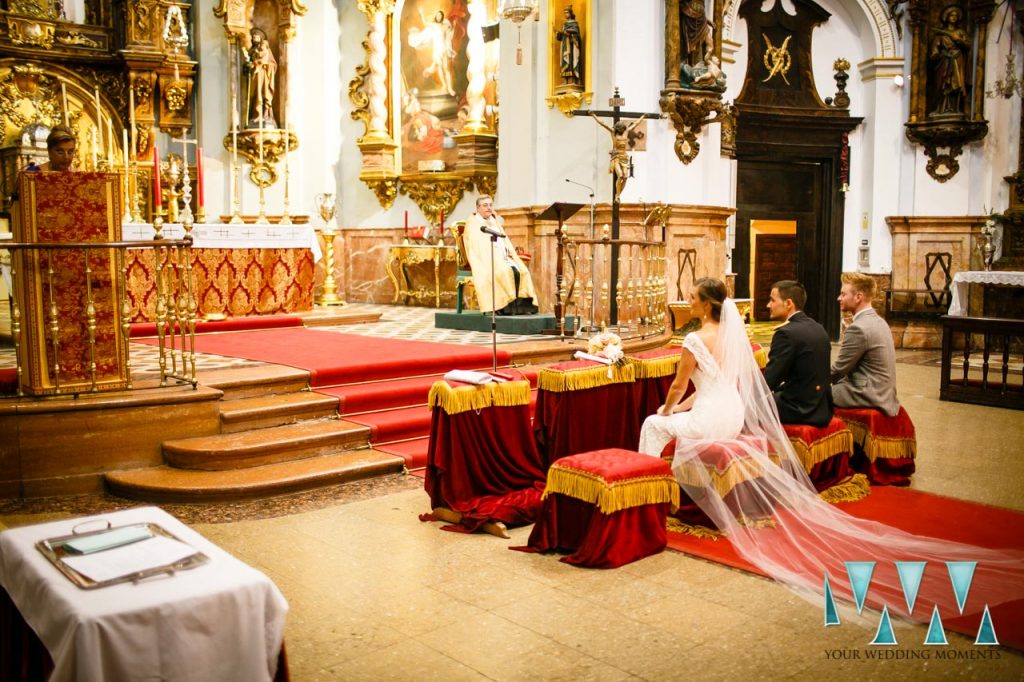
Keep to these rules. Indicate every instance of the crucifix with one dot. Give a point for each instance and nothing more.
(621, 168)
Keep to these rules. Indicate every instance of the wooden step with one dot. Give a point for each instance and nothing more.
(167, 484)
(230, 451)
(328, 316)
(259, 380)
(261, 412)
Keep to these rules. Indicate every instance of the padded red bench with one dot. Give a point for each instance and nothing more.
(607, 507)
(884, 447)
(825, 453)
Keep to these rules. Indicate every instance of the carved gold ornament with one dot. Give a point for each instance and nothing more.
(386, 189)
(777, 59)
(175, 95)
(690, 112)
(76, 38)
(569, 102)
(435, 193)
(28, 32)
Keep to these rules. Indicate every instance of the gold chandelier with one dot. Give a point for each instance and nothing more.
(517, 11)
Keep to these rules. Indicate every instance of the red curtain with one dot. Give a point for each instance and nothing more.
(570, 422)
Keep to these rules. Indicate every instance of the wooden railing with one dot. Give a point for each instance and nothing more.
(615, 284)
(36, 280)
(983, 361)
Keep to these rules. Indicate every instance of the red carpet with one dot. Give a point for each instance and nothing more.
(334, 358)
(922, 514)
(414, 452)
(231, 324)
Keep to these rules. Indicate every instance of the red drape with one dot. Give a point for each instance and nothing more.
(570, 422)
(485, 466)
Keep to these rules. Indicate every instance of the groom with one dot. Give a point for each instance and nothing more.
(798, 362)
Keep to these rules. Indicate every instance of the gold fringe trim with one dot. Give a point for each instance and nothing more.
(674, 525)
(738, 471)
(851, 490)
(829, 446)
(767, 522)
(612, 497)
(587, 377)
(466, 398)
(654, 368)
(884, 447)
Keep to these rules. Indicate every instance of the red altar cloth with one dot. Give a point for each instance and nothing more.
(607, 507)
(482, 461)
(884, 447)
(581, 409)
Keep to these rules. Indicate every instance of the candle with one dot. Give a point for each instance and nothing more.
(200, 202)
(157, 200)
(110, 145)
(261, 138)
(93, 134)
(124, 143)
(131, 114)
(407, 223)
(127, 185)
(99, 117)
(64, 100)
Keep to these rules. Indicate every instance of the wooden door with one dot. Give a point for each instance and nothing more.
(774, 260)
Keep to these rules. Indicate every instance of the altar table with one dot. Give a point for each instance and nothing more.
(222, 620)
(422, 272)
(962, 281)
(481, 459)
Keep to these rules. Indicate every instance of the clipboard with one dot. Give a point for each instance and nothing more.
(55, 549)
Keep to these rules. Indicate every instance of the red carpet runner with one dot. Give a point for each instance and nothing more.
(922, 514)
(231, 324)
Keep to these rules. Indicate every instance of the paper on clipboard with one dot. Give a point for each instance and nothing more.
(141, 556)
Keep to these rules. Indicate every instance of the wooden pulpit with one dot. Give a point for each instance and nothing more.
(70, 299)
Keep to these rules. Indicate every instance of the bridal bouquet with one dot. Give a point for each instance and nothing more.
(607, 345)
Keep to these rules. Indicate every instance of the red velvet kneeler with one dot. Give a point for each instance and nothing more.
(584, 406)
(824, 451)
(884, 447)
(607, 507)
(481, 458)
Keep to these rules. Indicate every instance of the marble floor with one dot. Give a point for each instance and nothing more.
(375, 594)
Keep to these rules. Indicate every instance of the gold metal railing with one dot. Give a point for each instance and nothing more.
(634, 304)
(64, 326)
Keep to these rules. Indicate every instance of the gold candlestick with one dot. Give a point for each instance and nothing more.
(329, 295)
(286, 219)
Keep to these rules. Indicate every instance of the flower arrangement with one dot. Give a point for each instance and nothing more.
(608, 345)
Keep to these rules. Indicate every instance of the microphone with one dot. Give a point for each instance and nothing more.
(487, 229)
(586, 187)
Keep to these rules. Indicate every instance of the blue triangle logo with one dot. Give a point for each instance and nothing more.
(986, 631)
(961, 573)
(936, 635)
(911, 573)
(860, 578)
(885, 635)
(831, 612)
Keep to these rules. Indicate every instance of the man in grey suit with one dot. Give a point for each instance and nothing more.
(864, 373)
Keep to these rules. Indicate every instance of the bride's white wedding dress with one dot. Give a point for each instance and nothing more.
(808, 538)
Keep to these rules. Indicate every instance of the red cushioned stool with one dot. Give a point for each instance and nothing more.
(607, 507)
(884, 447)
(727, 467)
(824, 451)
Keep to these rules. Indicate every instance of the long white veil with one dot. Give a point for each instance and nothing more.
(770, 512)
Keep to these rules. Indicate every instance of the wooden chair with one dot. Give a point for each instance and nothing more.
(463, 273)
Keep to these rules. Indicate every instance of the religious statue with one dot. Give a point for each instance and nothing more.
(696, 32)
(947, 54)
(436, 37)
(261, 68)
(571, 50)
(619, 164)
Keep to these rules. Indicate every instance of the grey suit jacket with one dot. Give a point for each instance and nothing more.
(864, 373)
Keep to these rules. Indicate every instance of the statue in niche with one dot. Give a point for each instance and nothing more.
(700, 67)
(261, 69)
(947, 53)
(437, 37)
(570, 41)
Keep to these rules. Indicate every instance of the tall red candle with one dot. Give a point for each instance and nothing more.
(157, 200)
(199, 178)
(442, 221)
(407, 223)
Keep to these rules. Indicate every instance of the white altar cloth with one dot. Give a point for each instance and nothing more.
(962, 281)
(222, 236)
(223, 620)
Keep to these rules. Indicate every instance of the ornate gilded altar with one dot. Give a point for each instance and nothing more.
(423, 274)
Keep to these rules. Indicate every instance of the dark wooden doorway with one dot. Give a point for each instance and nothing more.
(774, 260)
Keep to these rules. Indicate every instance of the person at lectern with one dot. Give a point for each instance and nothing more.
(60, 146)
(513, 288)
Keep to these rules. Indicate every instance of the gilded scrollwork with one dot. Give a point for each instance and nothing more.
(356, 93)
(689, 113)
(435, 193)
(569, 102)
(273, 142)
(28, 84)
(385, 189)
(76, 38)
(29, 32)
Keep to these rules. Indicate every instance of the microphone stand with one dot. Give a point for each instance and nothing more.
(494, 322)
(593, 273)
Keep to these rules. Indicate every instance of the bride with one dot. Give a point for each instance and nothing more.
(807, 539)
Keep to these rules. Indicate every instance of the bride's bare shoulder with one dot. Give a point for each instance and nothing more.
(708, 335)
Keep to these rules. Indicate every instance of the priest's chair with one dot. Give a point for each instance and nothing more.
(463, 273)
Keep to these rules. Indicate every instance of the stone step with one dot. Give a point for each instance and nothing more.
(258, 380)
(329, 316)
(167, 484)
(262, 412)
(232, 451)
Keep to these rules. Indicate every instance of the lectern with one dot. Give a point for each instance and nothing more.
(561, 212)
(70, 298)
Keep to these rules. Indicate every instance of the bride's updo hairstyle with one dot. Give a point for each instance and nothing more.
(712, 292)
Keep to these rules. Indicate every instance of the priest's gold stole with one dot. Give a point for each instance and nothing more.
(71, 299)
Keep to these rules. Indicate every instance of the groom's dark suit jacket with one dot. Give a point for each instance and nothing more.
(798, 372)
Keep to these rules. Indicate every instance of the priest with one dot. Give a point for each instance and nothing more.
(513, 288)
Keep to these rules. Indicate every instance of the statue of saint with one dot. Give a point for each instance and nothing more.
(437, 38)
(261, 68)
(947, 53)
(571, 49)
(618, 166)
(695, 31)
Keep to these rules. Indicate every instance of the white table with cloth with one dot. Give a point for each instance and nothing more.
(222, 620)
(962, 281)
